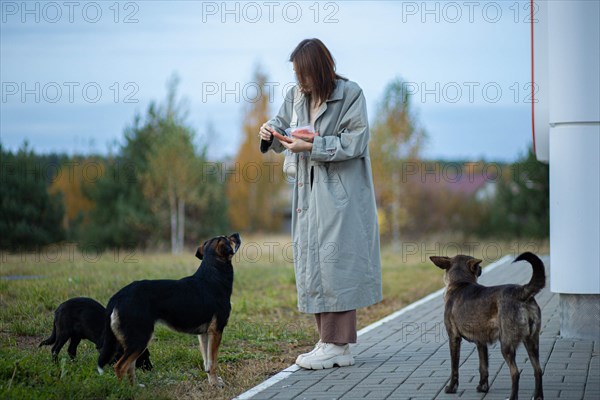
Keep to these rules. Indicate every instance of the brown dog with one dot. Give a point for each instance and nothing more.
(483, 315)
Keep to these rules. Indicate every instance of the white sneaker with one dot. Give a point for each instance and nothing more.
(327, 356)
(301, 356)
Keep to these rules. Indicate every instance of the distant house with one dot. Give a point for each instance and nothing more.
(463, 179)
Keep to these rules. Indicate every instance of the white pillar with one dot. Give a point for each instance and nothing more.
(573, 78)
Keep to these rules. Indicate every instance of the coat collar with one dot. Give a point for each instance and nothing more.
(338, 91)
(337, 94)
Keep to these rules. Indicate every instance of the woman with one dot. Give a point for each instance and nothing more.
(334, 218)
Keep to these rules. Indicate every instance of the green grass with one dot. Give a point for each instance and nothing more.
(264, 335)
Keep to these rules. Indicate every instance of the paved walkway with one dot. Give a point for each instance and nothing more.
(406, 356)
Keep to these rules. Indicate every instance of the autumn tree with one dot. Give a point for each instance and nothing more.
(121, 216)
(397, 138)
(153, 188)
(74, 173)
(174, 169)
(256, 191)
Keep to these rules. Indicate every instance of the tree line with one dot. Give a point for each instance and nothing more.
(159, 190)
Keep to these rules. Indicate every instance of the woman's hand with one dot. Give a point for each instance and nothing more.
(297, 145)
(265, 132)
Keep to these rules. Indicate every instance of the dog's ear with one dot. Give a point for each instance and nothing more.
(235, 241)
(233, 244)
(200, 251)
(442, 262)
(474, 266)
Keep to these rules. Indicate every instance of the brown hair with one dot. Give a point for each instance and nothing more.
(315, 69)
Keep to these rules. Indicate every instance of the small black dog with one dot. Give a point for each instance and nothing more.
(483, 315)
(198, 304)
(81, 318)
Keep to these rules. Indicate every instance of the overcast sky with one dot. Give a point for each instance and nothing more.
(74, 73)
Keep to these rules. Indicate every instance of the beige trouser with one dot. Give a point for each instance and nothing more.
(337, 327)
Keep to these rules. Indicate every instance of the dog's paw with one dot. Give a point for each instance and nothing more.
(483, 387)
(216, 381)
(451, 388)
(452, 385)
(100, 371)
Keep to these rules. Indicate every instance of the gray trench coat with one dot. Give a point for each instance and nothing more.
(334, 217)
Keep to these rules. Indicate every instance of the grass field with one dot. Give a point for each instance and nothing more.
(264, 335)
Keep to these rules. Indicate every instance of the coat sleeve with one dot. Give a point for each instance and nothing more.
(282, 119)
(353, 137)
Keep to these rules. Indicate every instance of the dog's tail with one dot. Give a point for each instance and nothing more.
(52, 337)
(538, 279)
(109, 346)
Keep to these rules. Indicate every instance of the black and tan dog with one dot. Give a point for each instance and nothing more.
(483, 315)
(198, 304)
(82, 318)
